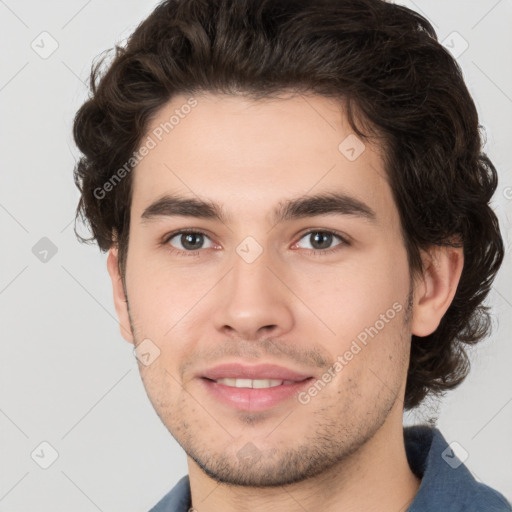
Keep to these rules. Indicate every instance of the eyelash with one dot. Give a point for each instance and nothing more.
(313, 252)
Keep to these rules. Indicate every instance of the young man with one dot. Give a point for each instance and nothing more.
(295, 204)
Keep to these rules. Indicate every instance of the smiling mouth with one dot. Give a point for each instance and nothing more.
(253, 394)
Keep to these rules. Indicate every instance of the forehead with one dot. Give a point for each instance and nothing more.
(250, 155)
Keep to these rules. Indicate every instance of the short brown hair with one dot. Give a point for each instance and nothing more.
(384, 62)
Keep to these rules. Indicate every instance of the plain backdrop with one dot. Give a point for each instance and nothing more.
(67, 378)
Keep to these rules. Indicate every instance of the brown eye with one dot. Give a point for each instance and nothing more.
(188, 241)
(321, 240)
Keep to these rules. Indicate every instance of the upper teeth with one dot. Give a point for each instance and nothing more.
(253, 383)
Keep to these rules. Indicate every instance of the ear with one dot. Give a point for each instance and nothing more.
(119, 296)
(435, 289)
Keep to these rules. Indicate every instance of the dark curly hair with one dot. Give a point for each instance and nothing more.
(398, 85)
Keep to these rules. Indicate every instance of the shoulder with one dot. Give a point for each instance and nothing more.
(446, 483)
(177, 499)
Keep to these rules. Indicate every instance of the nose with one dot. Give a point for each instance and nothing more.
(254, 301)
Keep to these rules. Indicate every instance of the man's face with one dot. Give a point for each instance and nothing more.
(264, 298)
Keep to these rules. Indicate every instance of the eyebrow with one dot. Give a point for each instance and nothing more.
(297, 208)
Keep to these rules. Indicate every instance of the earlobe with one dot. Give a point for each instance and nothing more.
(120, 302)
(434, 292)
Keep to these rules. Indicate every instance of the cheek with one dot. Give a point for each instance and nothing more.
(159, 295)
(353, 296)
(364, 303)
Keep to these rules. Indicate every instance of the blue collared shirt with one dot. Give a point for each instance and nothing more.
(446, 483)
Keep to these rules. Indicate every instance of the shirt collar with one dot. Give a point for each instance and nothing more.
(446, 484)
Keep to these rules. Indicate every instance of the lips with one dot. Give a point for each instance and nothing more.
(257, 372)
(252, 388)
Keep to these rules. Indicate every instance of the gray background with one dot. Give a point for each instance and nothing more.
(67, 377)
